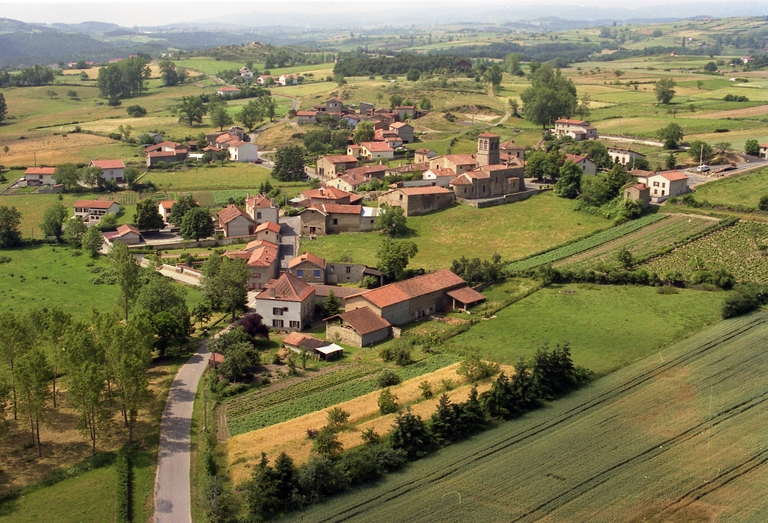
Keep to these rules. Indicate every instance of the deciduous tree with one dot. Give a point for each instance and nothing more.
(289, 163)
(220, 117)
(34, 376)
(671, 135)
(92, 241)
(3, 108)
(664, 90)
(251, 114)
(392, 221)
(147, 217)
(363, 133)
(126, 270)
(74, 231)
(224, 282)
(191, 110)
(67, 175)
(393, 256)
(196, 224)
(550, 96)
(10, 219)
(53, 221)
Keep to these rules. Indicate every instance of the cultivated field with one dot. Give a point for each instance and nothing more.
(738, 249)
(608, 327)
(513, 231)
(245, 450)
(677, 436)
(643, 243)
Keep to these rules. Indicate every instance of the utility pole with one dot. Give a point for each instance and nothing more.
(205, 411)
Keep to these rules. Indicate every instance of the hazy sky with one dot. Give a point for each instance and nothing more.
(161, 12)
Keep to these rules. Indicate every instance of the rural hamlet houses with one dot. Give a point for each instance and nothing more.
(286, 303)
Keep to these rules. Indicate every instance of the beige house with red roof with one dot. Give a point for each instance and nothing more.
(458, 163)
(423, 155)
(308, 268)
(587, 165)
(664, 184)
(39, 176)
(576, 129)
(418, 200)
(331, 218)
(410, 300)
(440, 177)
(286, 304)
(359, 328)
(235, 222)
(403, 130)
(127, 234)
(269, 231)
(111, 169)
(164, 208)
(264, 79)
(228, 92)
(376, 151)
(307, 117)
(91, 211)
(262, 209)
(288, 79)
(489, 181)
(313, 197)
(349, 182)
(332, 166)
(262, 260)
(512, 150)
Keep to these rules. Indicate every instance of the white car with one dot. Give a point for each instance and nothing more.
(703, 168)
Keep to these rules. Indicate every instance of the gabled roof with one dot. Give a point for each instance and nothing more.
(510, 145)
(94, 204)
(167, 204)
(40, 170)
(461, 180)
(377, 147)
(108, 164)
(362, 320)
(641, 187)
(260, 202)
(576, 158)
(342, 158)
(228, 89)
(231, 212)
(673, 176)
(623, 150)
(162, 154)
(286, 288)
(328, 193)
(307, 257)
(441, 173)
(399, 125)
(412, 288)
(268, 226)
(263, 256)
(124, 229)
(335, 208)
(572, 122)
(488, 135)
(253, 244)
(334, 100)
(354, 179)
(466, 295)
(367, 169)
(297, 339)
(460, 159)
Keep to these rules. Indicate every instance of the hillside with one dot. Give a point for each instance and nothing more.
(674, 437)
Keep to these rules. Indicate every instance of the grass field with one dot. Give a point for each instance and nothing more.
(670, 438)
(513, 231)
(735, 249)
(740, 191)
(608, 327)
(229, 176)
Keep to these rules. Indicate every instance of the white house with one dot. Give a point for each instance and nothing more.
(243, 151)
(164, 208)
(440, 177)
(288, 79)
(92, 210)
(587, 165)
(286, 303)
(376, 150)
(111, 169)
(764, 151)
(625, 157)
(265, 79)
(39, 176)
(246, 73)
(576, 129)
(665, 184)
(228, 92)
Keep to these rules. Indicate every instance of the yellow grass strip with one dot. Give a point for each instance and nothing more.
(244, 450)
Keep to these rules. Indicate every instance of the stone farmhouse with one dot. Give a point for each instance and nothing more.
(286, 303)
(576, 129)
(423, 155)
(332, 218)
(418, 200)
(317, 271)
(332, 166)
(313, 197)
(359, 327)
(640, 192)
(410, 300)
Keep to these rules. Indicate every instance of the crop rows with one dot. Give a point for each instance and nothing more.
(735, 249)
(585, 243)
(205, 198)
(645, 242)
(249, 402)
(222, 197)
(328, 397)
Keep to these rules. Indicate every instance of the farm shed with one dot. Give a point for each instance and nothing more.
(359, 328)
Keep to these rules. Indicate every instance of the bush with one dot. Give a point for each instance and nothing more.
(475, 369)
(387, 402)
(123, 470)
(737, 304)
(763, 203)
(387, 378)
(398, 352)
(136, 111)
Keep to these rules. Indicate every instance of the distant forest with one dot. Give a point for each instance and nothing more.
(566, 52)
(358, 64)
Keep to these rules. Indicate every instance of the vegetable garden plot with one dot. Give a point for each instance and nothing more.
(737, 249)
(642, 243)
(677, 435)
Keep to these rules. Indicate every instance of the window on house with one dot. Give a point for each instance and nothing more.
(401, 196)
(655, 184)
(349, 270)
(299, 273)
(663, 184)
(258, 216)
(277, 323)
(655, 192)
(295, 324)
(277, 311)
(335, 221)
(317, 273)
(662, 193)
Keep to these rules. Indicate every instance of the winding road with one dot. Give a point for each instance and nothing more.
(172, 487)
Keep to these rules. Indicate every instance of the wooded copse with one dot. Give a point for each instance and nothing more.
(357, 64)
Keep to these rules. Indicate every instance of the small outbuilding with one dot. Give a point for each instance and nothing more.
(359, 328)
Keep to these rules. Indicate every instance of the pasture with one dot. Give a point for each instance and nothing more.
(608, 327)
(513, 231)
(739, 250)
(675, 437)
(232, 175)
(739, 191)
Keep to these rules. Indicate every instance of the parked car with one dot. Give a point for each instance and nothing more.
(703, 168)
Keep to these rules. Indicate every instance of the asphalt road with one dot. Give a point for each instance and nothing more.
(172, 496)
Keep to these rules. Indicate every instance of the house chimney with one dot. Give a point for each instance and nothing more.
(272, 293)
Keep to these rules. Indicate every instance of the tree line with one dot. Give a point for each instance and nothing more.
(564, 52)
(124, 79)
(282, 487)
(359, 64)
(35, 75)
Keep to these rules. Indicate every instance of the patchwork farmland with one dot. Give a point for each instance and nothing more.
(677, 436)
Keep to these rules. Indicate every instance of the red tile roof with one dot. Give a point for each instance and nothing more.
(263, 256)
(306, 113)
(268, 226)
(287, 288)
(575, 158)
(334, 208)
(260, 202)
(510, 145)
(94, 204)
(297, 339)
(124, 229)
(412, 288)
(162, 154)
(461, 180)
(572, 122)
(466, 295)
(355, 179)
(167, 204)
(345, 158)
(231, 212)
(487, 135)
(674, 176)
(367, 169)
(108, 164)
(398, 125)
(641, 187)
(461, 159)
(40, 170)
(328, 193)
(362, 320)
(377, 147)
(307, 257)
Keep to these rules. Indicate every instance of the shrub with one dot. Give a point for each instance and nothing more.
(737, 304)
(123, 470)
(475, 369)
(398, 352)
(337, 416)
(763, 203)
(426, 390)
(387, 402)
(387, 378)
